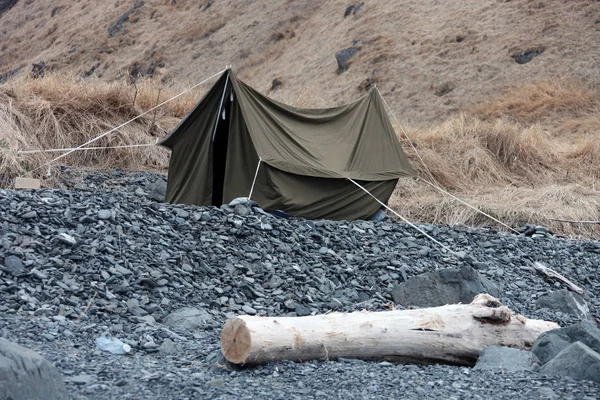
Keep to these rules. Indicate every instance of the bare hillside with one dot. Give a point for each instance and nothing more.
(429, 58)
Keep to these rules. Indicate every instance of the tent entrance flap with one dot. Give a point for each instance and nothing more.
(219, 148)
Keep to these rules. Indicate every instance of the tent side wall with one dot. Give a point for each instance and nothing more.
(299, 195)
(190, 179)
(320, 198)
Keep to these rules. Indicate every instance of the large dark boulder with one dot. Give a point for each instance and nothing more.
(445, 286)
(577, 361)
(565, 301)
(549, 344)
(26, 375)
(506, 359)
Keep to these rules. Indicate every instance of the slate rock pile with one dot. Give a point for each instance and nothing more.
(535, 231)
(102, 255)
(137, 257)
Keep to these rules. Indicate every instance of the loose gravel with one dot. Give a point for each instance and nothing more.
(102, 255)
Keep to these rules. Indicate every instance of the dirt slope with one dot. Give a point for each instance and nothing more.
(429, 58)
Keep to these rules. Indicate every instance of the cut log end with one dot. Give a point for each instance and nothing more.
(236, 341)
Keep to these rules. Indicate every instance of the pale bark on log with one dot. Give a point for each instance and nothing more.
(451, 334)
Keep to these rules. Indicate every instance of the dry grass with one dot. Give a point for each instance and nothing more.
(563, 106)
(518, 173)
(466, 152)
(61, 111)
(515, 206)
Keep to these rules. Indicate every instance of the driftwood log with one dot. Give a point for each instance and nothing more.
(451, 334)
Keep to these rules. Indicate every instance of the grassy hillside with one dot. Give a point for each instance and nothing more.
(429, 58)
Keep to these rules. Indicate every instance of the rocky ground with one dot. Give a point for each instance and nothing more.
(103, 255)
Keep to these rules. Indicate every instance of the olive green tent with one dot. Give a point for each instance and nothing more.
(305, 155)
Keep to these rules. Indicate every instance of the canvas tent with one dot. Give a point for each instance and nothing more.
(305, 154)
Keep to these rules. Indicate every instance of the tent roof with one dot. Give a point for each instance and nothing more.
(355, 140)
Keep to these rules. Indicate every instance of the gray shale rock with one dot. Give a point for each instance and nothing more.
(157, 190)
(190, 319)
(25, 375)
(445, 286)
(218, 261)
(577, 361)
(104, 214)
(168, 347)
(14, 265)
(565, 301)
(506, 359)
(549, 344)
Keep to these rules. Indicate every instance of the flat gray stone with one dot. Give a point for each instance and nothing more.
(14, 265)
(168, 347)
(302, 311)
(249, 310)
(181, 213)
(290, 304)
(134, 308)
(83, 379)
(549, 344)
(26, 375)
(445, 286)
(29, 215)
(506, 359)
(565, 301)
(104, 214)
(189, 319)
(66, 239)
(577, 361)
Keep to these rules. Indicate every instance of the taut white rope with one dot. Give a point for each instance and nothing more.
(123, 124)
(468, 205)
(430, 174)
(84, 148)
(254, 181)
(405, 220)
(405, 134)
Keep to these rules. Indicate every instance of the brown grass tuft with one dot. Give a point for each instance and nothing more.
(518, 175)
(563, 105)
(465, 152)
(62, 111)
